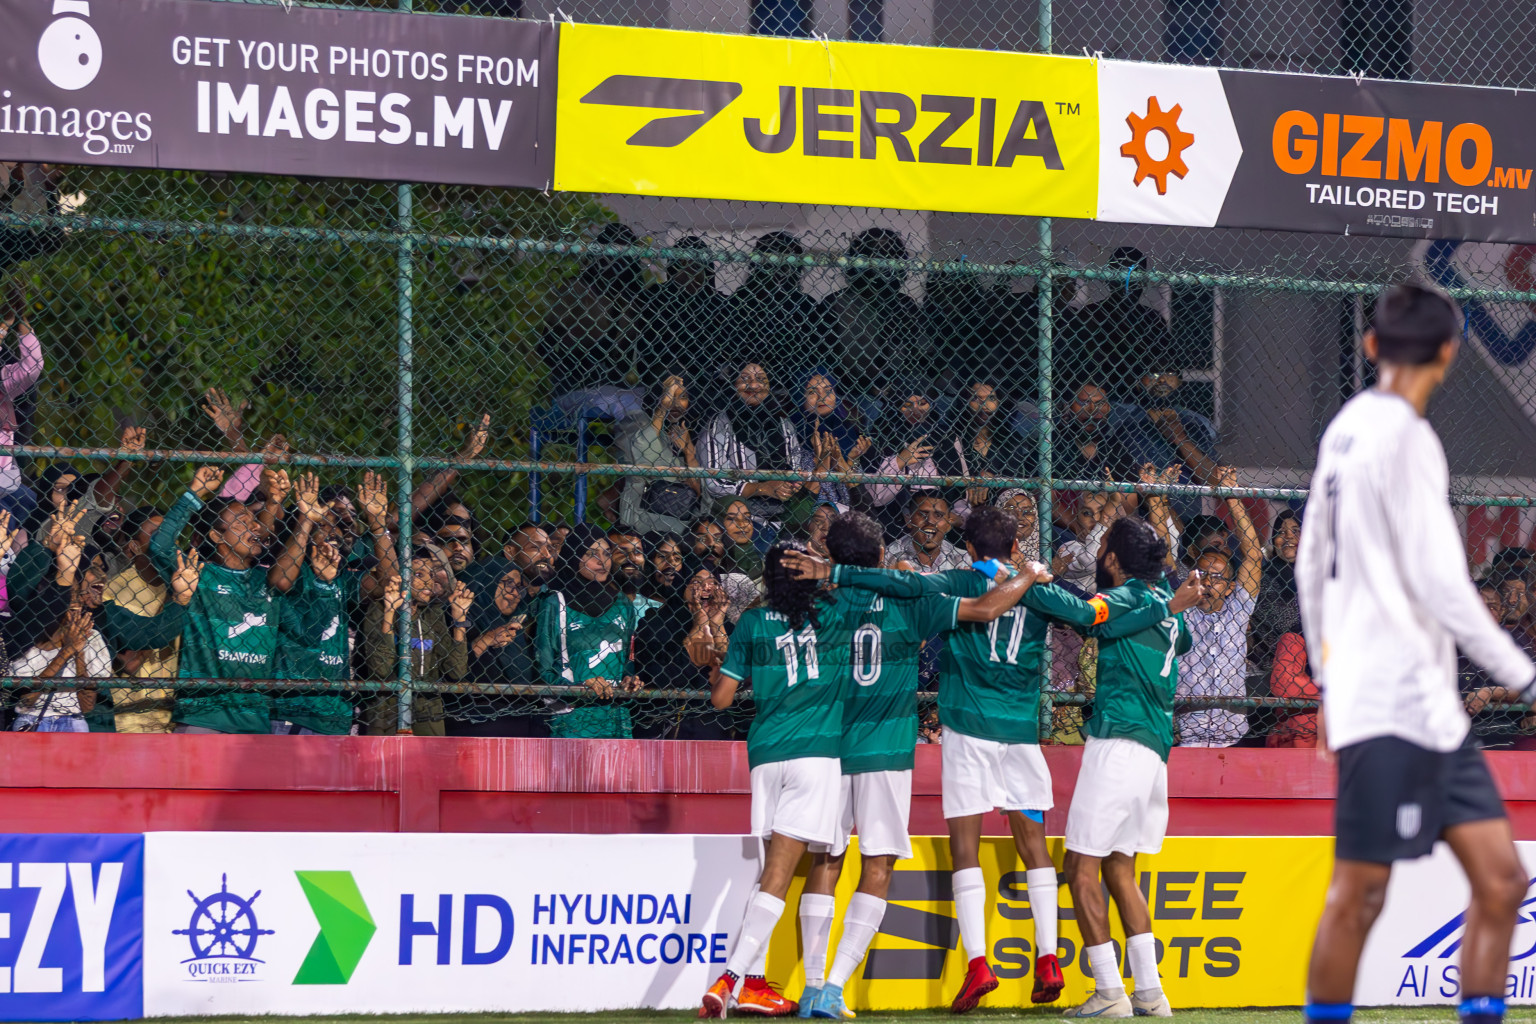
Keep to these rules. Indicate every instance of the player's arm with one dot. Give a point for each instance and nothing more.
(1002, 597)
(885, 582)
(1123, 623)
(1428, 547)
(724, 679)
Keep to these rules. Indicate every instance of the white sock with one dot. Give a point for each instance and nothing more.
(759, 966)
(757, 924)
(816, 914)
(1042, 903)
(1141, 950)
(1106, 974)
(971, 909)
(865, 912)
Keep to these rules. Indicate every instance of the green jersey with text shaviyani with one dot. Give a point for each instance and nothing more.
(989, 677)
(314, 643)
(230, 632)
(798, 680)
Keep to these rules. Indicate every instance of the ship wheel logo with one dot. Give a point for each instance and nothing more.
(223, 926)
(1165, 122)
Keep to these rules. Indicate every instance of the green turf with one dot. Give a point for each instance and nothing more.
(1414, 1015)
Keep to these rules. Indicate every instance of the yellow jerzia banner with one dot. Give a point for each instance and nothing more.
(834, 123)
(1233, 918)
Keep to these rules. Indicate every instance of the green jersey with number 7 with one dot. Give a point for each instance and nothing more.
(1138, 669)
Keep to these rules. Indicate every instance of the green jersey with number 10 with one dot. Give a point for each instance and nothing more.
(880, 716)
(989, 677)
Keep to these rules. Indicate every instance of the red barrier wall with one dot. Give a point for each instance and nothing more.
(111, 783)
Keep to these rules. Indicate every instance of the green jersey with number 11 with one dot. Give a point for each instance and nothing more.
(799, 680)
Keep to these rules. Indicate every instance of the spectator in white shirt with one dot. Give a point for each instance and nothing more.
(1217, 663)
(72, 649)
(924, 548)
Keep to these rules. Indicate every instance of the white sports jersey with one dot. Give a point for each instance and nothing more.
(1383, 585)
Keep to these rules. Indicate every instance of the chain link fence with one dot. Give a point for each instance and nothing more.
(498, 397)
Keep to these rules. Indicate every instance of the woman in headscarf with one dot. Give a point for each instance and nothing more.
(743, 547)
(1276, 611)
(688, 627)
(752, 433)
(830, 438)
(500, 653)
(905, 438)
(981, 443)
(584, 634)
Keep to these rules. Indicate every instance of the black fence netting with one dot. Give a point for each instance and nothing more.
(333, 456)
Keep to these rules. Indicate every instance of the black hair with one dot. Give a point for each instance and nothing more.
(210, 517)
(624, 531)
(793, 598)
(992, 532)
(134, 522)
(1412, 322)
(855, 539)
(916, 496)
(436, 515)
(1137, 547)
(330, 492)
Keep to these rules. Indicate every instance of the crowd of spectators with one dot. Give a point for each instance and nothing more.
(265, 574)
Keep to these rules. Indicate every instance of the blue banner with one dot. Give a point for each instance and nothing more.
(71, 927)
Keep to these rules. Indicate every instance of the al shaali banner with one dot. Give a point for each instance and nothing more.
(278, 90)
(810, 121)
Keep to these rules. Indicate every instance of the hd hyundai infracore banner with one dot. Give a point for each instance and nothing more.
(278, 90)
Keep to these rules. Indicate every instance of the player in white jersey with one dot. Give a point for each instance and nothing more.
(1385, 601)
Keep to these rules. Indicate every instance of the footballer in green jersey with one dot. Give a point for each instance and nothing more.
(1120, 803)
(989, 693)
(879, 730)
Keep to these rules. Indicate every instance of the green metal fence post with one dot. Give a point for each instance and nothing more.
(1043, 503)
(404, 268)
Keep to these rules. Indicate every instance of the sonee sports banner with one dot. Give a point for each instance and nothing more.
(278, 90)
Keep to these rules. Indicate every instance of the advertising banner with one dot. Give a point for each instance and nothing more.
(1414, 950)
(71, 936)
(1233, 920)
(278, 90)
(1246, 149)
(367, 923)
(111, 927)
(816, 121)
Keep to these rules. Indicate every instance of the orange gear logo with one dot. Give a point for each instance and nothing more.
(1157, 120)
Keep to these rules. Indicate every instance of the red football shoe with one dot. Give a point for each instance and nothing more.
(1048, 979)
(717, 998)
(761, 998)
(979, 980)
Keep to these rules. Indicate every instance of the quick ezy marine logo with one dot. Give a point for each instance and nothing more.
(223, 934)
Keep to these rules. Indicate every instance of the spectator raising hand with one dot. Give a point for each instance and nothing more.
(189, 568)
(227, 418)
